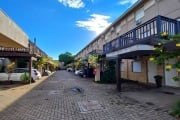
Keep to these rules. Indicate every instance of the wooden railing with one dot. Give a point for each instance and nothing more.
(33, 50)
(96, 51)
(9, 49)
(142, 34)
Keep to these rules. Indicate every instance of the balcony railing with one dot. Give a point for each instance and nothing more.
(96, 51)
(145, 33)
(33, 50)
(9, 49)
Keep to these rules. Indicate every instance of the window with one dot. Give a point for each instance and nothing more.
(118, 29)
(136, 66)
(139, 14)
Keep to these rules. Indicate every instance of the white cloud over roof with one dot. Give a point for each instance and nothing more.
(123, 2)
(96, 23)
(72, 3)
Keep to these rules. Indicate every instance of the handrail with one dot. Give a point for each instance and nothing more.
(153, 27)
(10, 49)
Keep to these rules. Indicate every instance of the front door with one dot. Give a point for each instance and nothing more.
(152, 71)
(170, 74)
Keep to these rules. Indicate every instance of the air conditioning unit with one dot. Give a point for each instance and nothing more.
(138, 22)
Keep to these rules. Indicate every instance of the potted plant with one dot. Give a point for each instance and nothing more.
(158, 80)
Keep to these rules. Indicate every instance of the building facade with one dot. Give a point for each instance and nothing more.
(131, 39)
(15, 44)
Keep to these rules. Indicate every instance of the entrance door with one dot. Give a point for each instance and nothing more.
(152, 71)
(170, 74)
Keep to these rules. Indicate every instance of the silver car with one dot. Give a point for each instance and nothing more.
(15, 75)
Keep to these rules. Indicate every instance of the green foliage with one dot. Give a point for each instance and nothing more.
(40, 62)
(163, 54)
(108, 76)
(25, 78)
(175, 111)
(78, 64)
(93, 60)
(67, 58)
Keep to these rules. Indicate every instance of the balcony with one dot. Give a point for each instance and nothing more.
(147, 33)
(33, 50)
(96, 51)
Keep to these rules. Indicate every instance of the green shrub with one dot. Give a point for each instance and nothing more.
(108, 76)
(175, 111)
(25, 78)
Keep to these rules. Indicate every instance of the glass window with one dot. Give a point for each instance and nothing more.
(136, 66)
(139, 14)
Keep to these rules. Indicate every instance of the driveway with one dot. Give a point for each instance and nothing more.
(64, 96)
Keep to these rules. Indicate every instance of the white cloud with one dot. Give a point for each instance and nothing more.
(96, 23)
(72, 3)
(123, 2)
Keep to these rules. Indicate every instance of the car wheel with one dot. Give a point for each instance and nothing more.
(32, 80)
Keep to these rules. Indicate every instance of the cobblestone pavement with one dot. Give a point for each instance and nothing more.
(64, 96)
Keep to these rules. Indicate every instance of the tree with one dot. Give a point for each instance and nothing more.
(40, 62)
(67, 58)
(9, 69)
(93, 60)
(163, 54)
(78, 64)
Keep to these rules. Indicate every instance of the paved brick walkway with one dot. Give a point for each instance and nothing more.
(64, 96)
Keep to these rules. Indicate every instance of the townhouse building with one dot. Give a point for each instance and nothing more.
(131, 38)
(15, 43)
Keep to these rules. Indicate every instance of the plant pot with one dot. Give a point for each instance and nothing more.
(158, 80)
(158, 83)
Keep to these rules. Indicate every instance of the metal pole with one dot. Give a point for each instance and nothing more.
(30, 67)
(118, 73)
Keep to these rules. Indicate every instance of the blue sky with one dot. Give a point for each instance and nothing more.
(61, 26)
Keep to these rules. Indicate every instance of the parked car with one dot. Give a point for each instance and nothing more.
(69, 69)
(83, 73)
(35, 74)
(46, 73)
(77, 72)
(15, 75)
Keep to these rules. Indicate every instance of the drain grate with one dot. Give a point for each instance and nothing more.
(90, 106)
(77, 90)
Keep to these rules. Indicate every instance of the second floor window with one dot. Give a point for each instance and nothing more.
(139, 14)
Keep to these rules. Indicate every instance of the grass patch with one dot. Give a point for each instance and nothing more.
(175, 111)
